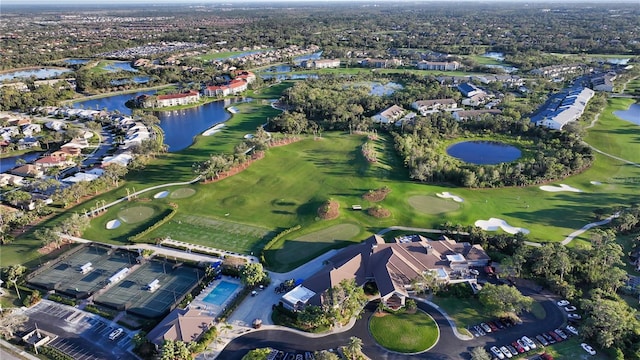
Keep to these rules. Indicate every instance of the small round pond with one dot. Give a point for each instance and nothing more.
(484, 152)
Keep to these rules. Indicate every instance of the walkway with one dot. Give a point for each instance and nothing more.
(576, 233)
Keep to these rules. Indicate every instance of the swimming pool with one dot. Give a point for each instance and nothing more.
(221, 293)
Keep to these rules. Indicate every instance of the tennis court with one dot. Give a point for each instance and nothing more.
(133, 294)
(66, 275)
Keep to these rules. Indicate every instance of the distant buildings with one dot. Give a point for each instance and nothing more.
(564, 108)
(474, 95)
(603, 82)
(472, 114)
(151, 101)
(381, 63)
(320, 64)
(389, 115)
(438, 65)
(556, 71)
(432, 106)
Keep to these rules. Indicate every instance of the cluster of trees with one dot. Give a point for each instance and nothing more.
(592, 276)
(43, 95)
(340, 304)
(352, 351)
(553, 154)
(253, 274)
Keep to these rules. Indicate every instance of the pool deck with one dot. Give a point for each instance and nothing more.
(215, 310)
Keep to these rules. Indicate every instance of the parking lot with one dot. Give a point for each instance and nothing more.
(81, 335)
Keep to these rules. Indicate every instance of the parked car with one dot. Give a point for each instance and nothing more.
(524, 346)
(588, 349)
(542, 340)
(493, 326)
(562, 334)
(572, 330)
(486, 327)
(496, 352)
(573, 316)
(506, 352)
(546, 356)
(115, 333)
(474, 272)
(474, 332)
(513, 350)
(518, 347)
(501, 324)
(549, 338)
(529, 342)
(570, 308)
(563, 303)
(556, 337)
(480, 330)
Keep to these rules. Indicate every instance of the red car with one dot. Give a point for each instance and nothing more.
(546, 356)
(518, 347)
(555, 336)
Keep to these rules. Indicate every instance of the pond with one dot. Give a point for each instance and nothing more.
(76, 61)
(484, 152)
(9, 163)
(42, 73)
(135, 79)
(632, 114)
(179, 126)
(118, 66)
(494, 55)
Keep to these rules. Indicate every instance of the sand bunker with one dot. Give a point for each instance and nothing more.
(213, 130)
(595, 182)
(561, 187)
(448, 195)
(160, 195)
(493, 224)
(113, 224)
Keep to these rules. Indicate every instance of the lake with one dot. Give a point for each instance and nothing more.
(118, 66)
(76, 61)
(484, 152)
(179, 126)
(135, 79)
(9, 163)
(42, 73)
(632, 114)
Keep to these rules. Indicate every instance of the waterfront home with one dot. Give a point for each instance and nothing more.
(178, 99)
(389, 115)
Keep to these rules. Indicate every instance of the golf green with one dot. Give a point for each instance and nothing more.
(432, 205)
(182, 193)
(135, 214)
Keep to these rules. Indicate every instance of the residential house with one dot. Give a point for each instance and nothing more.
(121, 158)
(468, 89)
(381, 63)
(472, 114)
(233, 87)
(28, 143)
(31, 129)
(438, 65)
(247, 76)
(389, 115)
(53, 161)
(320, 64)
(603, 82)
(186, 325)
(28, 170)
(9, 179)
(555, 71)
(564, 108)
(185, 98)
(394, 267)
(436, 105)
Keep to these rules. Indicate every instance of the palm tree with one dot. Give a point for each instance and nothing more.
(355, 347)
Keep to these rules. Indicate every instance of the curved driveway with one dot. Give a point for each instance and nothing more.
(448, 347)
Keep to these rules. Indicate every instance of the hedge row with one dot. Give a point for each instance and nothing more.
(62, 300)
(275, 240)
(52, 353)
(169, 216)
(95, 310)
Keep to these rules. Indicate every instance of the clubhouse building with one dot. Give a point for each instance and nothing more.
(394, 267)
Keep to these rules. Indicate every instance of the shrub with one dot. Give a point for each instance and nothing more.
(148, 230)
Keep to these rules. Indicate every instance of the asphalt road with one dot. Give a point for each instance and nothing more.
(448, 346)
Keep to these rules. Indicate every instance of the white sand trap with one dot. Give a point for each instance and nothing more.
(248, 136)
(493, 224)
(562, 187)
(160, 195)
(213, 130)
(448, 195)
(595, 182)
(113, 224)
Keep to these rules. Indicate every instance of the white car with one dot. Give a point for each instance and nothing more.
(496, 352)
(474, 272)
(574, 316)
(528, 342)
(506, 351)
(563, 303)
(524, 345)
(588, 349)
(115, 333)
(572, 330)
(570, 308)
(561, 334)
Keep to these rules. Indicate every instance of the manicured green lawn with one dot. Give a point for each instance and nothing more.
(571, 349)
(465, 312)
(405, 333)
